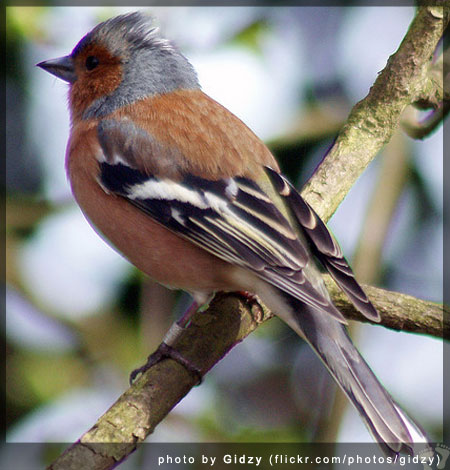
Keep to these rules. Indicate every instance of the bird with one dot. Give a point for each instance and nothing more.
(185, 191)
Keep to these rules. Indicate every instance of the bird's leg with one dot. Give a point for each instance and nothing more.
(247, 296)
(166, 349)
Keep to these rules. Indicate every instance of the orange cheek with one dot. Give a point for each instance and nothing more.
(91, 86)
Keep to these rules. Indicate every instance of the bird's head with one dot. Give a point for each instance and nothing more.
(120, 61)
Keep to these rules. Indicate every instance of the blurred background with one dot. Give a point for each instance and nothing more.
(80, 318)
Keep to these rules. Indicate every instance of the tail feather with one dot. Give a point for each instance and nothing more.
(389, 426)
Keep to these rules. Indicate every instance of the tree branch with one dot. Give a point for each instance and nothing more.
(229, 320)
(374, 119)
(398, 311)
(208, 338)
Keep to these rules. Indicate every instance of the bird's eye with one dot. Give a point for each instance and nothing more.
(91, 62)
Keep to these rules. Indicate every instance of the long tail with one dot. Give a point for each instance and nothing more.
(388, 424)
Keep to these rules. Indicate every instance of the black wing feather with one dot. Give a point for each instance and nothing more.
(251, 242)
(324, 246)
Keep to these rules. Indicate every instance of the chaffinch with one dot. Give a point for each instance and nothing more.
(188, 194)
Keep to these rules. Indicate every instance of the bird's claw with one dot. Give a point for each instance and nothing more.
(165, 351)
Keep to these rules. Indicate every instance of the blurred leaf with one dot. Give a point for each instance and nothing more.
(250, 36)
(111, 338)
(23, 213)
(25, 22)
(33, 379)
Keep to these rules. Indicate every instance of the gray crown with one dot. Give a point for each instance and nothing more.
(152, 65)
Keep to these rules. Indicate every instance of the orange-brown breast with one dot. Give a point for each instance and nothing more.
(159, 253)
(207, 141)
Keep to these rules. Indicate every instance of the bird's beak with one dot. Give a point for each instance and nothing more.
(62, 67)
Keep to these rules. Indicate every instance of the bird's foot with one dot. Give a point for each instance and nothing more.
(165, 351)
(252, 300)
